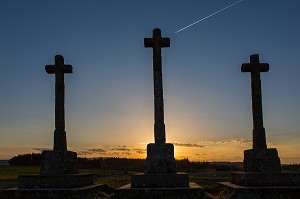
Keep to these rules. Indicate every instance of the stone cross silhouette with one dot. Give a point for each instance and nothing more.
(157, 42)
(60, 140)
(255, 67)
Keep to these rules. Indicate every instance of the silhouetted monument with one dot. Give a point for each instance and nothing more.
(160, 165)
(58, 171)
(262, 174)
(260, 158)
(160, 155)
(59, 161)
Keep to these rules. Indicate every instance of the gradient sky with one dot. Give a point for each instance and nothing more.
(109, 97)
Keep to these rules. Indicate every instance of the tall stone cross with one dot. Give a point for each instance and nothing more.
(157, 42)
(255, 67)
(59, 69)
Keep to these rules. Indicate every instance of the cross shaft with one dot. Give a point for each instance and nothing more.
(157, 42)
(59, 69)
(255, 67)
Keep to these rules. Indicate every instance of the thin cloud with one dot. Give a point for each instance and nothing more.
(140, 151)
(188, 145)
(105, 150)
(119, 149)
(119, 153)
(182, 157)
(92, 151)
(97, 150)
(201, 155)
(235, 141)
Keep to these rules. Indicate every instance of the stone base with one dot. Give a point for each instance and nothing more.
(159, 180)
(232, 191)
(259, 179)
(192, 191)
(264, 160)
(86, 192)
(63, 181)
(56, 162)
(160, 158)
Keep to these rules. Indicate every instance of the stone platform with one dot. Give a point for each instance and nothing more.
(159, 180)
(86, 192)
(233, 191)
(260, 179)
(192, 191)
(261, 185)
(62, 181)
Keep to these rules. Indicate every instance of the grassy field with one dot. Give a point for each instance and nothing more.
(11, 173)
(112, 178)
(209, 183)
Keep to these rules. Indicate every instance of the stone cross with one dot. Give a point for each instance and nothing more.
(59, 68)
(157, 42)
(255, 67)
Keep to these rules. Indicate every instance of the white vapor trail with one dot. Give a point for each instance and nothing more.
(209, 16)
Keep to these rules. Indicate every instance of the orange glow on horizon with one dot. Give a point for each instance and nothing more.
(226, 150)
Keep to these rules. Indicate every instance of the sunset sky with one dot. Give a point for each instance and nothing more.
(109, 96)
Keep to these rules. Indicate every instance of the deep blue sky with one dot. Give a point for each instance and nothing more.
(109, 97)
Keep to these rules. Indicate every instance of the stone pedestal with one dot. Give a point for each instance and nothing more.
(160, 159)
(262, 178)
(261, 160)
(58, 171)
(160, 180)
(61, 181)
(58, 162)
(160, 169)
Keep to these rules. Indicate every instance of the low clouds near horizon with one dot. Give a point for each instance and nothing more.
(132, 151)
(197, 151)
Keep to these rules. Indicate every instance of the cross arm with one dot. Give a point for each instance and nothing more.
(250, 67)
(50, 69)
(163, 42)
(148, 42)
(68, 69)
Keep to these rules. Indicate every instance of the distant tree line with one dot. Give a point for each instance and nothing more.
(135, 164)
(112, 163)
(30, 159)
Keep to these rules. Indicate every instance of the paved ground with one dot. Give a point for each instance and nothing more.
(8, 184)
(215, 174)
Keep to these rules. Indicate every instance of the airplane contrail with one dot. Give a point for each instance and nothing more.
(209, 16)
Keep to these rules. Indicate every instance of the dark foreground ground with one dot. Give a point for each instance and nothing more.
(114, 179)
